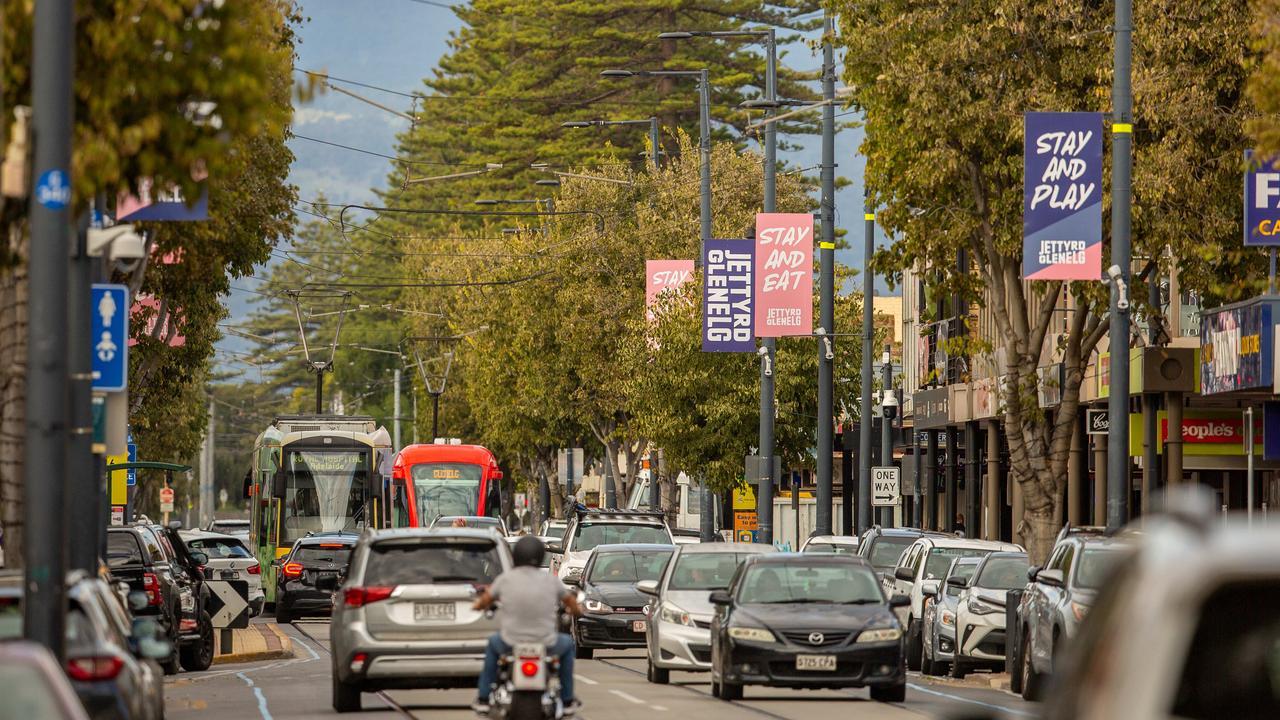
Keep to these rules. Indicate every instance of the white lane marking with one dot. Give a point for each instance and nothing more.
(257, 691)
(628, 698)
(585, 679)
(305, 646)
(659, 708)
(971, 701)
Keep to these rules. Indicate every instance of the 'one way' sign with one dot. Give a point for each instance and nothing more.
(886, 490)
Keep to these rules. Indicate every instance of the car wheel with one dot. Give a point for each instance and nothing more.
(346, 696)
(525, 706)
(914, 642)
(730, 691)
(958, 670)
(927, 664)
(198, 656)
(715, 687)
(657, 675)
(585, 653)
(890, 693)
(283, 616)
(1031, 680)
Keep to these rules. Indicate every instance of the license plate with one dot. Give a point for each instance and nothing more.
(228, 574)
(433, 611)
(638, 626)
(825, 663)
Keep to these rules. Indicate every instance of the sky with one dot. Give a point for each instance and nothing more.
(397, 43)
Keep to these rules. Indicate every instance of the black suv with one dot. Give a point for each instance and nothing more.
(316, 556)
(195, 629)
(136, 555)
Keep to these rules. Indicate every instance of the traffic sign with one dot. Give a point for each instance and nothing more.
(166, 499)
(228, 603)
(886, 488)
(110, 337)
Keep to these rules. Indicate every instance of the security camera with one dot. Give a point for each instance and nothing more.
(1122, 303)
(1113, 272)
(119, 242)
(830, 352)
(762, 351)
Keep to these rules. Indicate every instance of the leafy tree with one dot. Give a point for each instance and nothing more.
(943, 87)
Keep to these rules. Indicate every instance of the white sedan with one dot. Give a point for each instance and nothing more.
(229, 559)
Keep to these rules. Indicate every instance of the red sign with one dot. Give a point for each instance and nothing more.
(663, 275)
(784, 274)
(150, 306)
(166, 495)
(1212, 430)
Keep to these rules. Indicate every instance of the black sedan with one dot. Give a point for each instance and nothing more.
(316, 556)
(615, 611)
(806, 621)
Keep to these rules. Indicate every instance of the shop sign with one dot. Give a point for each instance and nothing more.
(930, 408)
(1271, 431)
(1261, 201)
(1097, 421)
(1204, 432)
(1236, 344)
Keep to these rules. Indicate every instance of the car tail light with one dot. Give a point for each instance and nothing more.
(529, 668)
(361, 596)
(292, 570)
(188, 625)
(88, 669)
(254, 569)
(357, 662)
(151, 586)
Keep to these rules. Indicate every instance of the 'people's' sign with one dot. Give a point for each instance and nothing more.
(727, 302)
(1062, 196)
(784, 274)
(1261, 201)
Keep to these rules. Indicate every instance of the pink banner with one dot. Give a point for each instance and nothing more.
(784, 274)
(664, 275)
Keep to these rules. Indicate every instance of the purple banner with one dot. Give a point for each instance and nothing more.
(1062, 196)
(1261, 201)
(728, 302)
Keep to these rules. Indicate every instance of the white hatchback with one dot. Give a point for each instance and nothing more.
(229, 559)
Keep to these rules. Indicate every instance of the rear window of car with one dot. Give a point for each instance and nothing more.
(589, 535)
(427, 563)
(123, 549)
(336, 553)
(217, 548)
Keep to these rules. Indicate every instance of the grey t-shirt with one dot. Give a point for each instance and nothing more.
(529, 597)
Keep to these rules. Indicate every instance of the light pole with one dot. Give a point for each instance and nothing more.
(868, 331)
(768, 346)
(889, 410)
(1121, 201)
(706, 522)
(651, 122)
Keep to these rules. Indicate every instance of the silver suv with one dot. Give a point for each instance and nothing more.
(403, 617)
(590, 527)
(1057, 598)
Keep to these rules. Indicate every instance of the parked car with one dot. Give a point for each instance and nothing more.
(33, 686)
(312, 558)
(552, 529)
(472, 521)
(406, 618)
(235, 528)
(806, 621)
(110, 657)
(883, 546)
(615, 611)
(678, 634)
(837, 544)
(1058, 597)
(939, 619)
(590, 528)
(928, 558)
(980, 611)
(195, 628)
(229, 559)
(135, 556)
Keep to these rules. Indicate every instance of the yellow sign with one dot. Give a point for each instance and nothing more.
(744, 498)
(119, 479)
(446, 474)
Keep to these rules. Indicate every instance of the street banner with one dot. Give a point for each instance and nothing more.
(663, 275)
(1062, 196)
(1261, 201)
(727, 296)
(784, 274)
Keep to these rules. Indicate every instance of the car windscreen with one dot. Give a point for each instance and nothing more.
(590, 535)
(219, 548)
(886, 550)
(1095, 567)
(426, 563)
(123, 549)
(940, 559)
(704, 571)
(831, 548)
(629, 567)
(805, 583)
(1003, 573)
(336, 553)
(963, 571)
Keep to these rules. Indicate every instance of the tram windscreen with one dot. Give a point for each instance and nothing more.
(325, 491)
(446, 489)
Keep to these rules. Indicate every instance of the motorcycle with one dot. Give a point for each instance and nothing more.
(528, 685)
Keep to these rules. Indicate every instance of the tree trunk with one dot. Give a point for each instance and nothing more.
(13, 392)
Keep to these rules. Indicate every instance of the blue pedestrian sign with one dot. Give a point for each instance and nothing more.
(52, 190)
(110, 337)
(131, 475)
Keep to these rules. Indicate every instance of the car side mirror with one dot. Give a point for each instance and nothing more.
(720, 597)
(957, 582)
(137, 600)
(899, 600)
(327, 583)
(904, 573)
(555, 547)
(199, 558)
(1053, 578)
(648, 587)
(1032, 573)
(929, 588)
(574, 580)
(148, 640)
(278, 485)
(175, 524)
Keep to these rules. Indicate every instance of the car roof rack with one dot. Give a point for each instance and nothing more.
(1071, 531)
(616, 514)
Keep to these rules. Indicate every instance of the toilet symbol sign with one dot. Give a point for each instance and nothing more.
(110, 337)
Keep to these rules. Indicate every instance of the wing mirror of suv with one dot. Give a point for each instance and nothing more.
(929, 588)
(904, 573)
(899, 600)
(1032, 573)
(137, 600)
(555, 546)
(720, 597)
(648, 587)
(958, 582)
(1050, 577)
(327, 583)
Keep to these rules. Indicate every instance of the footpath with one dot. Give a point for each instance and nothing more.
(259, 641)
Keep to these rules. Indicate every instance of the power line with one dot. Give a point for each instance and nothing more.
(402, 161)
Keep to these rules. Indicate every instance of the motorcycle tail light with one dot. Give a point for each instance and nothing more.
(529, 668)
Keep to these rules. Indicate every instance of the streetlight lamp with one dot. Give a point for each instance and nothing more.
(889, 410)
(488, 168)
(651, 122)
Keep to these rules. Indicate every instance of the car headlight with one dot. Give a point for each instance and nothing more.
(672, 614)
(879, 635)
(187, 600)
(948, 618)
(979, 607)
(598, 606)
(1079, 610)
(752, 634)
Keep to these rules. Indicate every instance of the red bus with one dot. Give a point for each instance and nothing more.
(430, 480)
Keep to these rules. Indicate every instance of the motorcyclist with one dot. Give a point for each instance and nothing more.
(530, 597)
